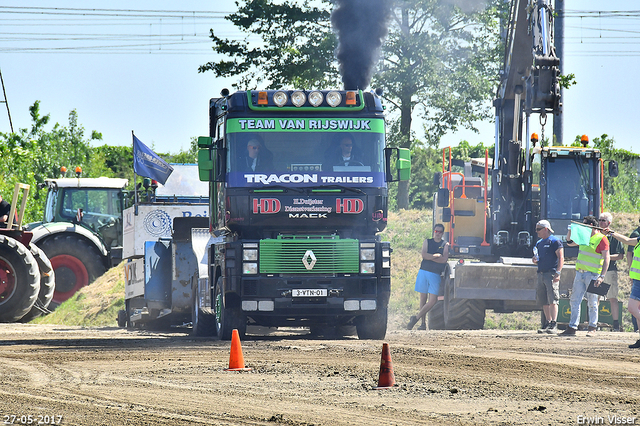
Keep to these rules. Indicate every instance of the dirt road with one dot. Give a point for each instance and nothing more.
(110, 376)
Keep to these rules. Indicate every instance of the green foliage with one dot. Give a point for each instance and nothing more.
(296, 46)
(184, 157)
(32, 155)
(567, 81)
(438, 63)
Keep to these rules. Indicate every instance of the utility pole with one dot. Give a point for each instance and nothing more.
(4, 101)
(558, 30)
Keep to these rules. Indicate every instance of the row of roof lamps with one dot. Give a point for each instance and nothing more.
(299, 98)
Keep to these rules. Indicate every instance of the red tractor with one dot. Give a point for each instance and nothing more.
(27, 279)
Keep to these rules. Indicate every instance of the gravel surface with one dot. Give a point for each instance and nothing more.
(109, 376)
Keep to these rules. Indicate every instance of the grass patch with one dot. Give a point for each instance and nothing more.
(96, 305)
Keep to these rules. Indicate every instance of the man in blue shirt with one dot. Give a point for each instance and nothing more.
(549, 256)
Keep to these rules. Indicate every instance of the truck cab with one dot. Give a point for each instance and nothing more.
(299, 192)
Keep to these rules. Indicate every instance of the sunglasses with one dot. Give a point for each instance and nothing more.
(602, 220)
(539, 229)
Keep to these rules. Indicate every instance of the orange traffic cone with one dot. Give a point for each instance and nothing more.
(236, 360)
(386, 379)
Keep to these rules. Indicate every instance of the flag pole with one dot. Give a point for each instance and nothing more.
(135, 176)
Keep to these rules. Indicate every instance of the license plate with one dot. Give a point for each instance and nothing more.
(318, 292)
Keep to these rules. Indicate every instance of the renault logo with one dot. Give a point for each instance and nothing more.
(305, 260)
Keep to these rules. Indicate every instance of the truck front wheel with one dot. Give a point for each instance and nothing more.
(19, 280)
(202, 322)
(227, 317)
(373, 327)
(76, 263)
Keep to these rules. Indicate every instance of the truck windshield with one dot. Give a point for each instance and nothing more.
(570, 187)
(304, 158)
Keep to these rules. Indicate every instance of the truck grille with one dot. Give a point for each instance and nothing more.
(294, 255)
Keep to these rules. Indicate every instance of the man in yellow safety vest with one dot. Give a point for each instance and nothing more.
(634, 273)
(591, 265)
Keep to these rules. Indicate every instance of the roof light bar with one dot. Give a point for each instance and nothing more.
(263, 99)
(298, 98)
(334, 99)
(315, 98)
(280, 98)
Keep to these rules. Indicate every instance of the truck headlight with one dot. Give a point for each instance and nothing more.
(367, 254)
(251, 254)
(367, 267)
(250, 268)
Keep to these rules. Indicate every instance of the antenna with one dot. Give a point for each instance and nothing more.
(4, 101)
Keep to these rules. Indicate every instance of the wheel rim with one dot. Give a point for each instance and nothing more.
(7, 281)
(71, 276)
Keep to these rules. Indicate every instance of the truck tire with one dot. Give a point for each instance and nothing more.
(19, 280)
(76, 264)
(461, 314)
(122, 318)
(226, 317)
(47, 285)
(372, 327)
(202, 322)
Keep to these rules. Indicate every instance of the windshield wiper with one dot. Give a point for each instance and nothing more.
(278, 187)
(344, 188)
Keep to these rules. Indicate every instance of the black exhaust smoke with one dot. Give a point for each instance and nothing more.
(361, 26)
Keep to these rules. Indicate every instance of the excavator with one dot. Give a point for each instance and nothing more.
(490, 205)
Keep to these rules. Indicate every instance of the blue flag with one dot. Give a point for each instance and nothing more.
(147, 163)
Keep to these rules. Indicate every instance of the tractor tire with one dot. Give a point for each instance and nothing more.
(47, 285)
(76, 263)
(436, 316)
(226, 317)
(461, 314)
(19, 280)
(373, 327)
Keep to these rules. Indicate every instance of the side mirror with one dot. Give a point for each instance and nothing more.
(212, 160)
(403, 164)
(446, 214)
(443, 198)
(437, 177)
(613, 168)
(205, 164)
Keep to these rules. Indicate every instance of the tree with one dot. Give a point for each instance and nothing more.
(32, 155)
(296, 46)
(439, 60)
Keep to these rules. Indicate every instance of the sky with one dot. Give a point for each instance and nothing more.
(133, 66)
